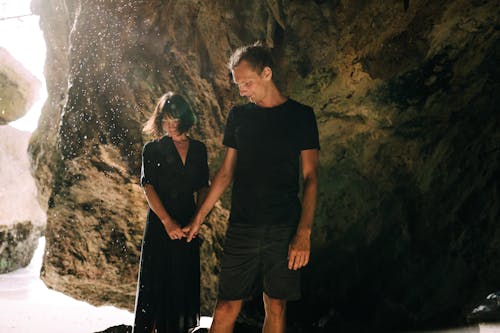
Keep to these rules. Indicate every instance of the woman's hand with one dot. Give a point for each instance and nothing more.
(173, 229)
(191, 230)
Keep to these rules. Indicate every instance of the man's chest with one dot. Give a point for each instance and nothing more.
(266, 133)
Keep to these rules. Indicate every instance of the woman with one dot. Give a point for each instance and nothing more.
(174, 176)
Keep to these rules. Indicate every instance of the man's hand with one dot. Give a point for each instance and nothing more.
(191, 230)
(298, 251)
(173, 229)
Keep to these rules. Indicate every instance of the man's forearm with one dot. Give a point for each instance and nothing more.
(201, 196)
(220, 183)
(308, 206)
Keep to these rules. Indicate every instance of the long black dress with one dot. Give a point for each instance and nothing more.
(168, 290)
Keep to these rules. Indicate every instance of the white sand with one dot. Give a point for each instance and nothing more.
(481, 328)
(28, 306)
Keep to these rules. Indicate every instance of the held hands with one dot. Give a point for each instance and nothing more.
(191, 230)
(299, 250)
(173, 230)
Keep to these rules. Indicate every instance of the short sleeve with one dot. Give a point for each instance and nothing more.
(229, 133)
(204, 173)
(148, 170)
(309, 138)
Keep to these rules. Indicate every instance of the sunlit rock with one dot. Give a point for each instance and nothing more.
(17, 245)
(406, 231)
(18, 88)
(21, 218)
(86, 156)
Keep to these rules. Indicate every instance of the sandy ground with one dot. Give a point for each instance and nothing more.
(28, 306)
(489, 328)
(481, 328)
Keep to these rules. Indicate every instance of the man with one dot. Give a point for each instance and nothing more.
(268, 238)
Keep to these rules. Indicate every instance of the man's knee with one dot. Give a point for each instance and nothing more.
(274, 307)
(228, 309)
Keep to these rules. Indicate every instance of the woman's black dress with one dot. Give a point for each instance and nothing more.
(168, 290)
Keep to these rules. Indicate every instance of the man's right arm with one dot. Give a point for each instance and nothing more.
(221, 181)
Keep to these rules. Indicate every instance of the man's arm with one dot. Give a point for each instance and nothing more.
(300, 246)
(222, 179)
(201, 195)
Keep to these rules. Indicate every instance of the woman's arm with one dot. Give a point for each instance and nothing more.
(173, 229)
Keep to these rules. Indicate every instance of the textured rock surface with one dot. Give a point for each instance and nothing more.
(18, 88)
(17, 244)
(406, 232)
(21, 218)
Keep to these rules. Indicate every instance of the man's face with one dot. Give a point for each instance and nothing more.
(251, 84)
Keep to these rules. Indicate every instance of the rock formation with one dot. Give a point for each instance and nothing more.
(406, 231)
(18, 88)
(21, 218)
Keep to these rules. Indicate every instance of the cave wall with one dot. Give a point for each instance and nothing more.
(406, 224)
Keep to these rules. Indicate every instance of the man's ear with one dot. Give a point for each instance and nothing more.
(267, 73)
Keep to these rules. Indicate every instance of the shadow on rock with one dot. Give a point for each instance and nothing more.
(118, 329)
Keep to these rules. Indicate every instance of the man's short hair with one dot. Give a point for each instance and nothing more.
(257, 55)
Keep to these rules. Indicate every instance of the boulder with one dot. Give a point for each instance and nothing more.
(18, 88)
(17, 245)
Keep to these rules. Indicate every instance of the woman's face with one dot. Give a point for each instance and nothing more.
(171, 126)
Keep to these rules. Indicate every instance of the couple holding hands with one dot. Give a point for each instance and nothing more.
(268, 141)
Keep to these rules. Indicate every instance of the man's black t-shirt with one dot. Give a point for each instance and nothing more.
(269, 142)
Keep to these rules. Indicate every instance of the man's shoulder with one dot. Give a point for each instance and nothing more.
(243, 107)
(240, 110)
(295, 105)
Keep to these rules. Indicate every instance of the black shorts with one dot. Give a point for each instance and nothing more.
(256, 257)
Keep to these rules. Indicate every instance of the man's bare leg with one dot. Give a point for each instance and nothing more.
(275, 320)
(225, 315)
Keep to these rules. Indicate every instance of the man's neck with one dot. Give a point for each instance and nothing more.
(273, 98)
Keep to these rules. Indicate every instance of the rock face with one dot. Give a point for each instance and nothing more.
(18, 88)
(17, 245)
(21, 218)
(405, 94)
